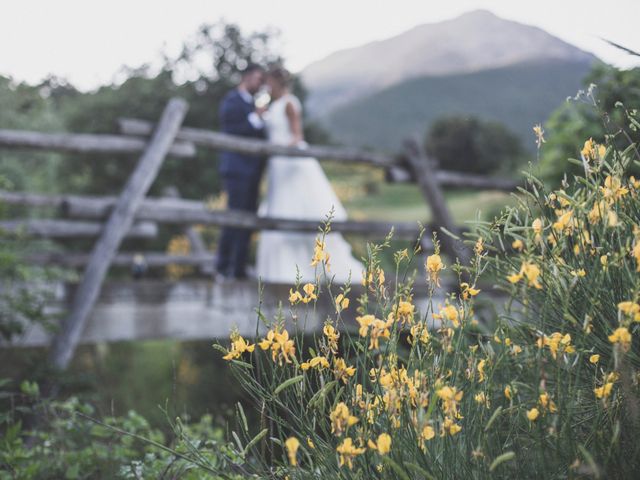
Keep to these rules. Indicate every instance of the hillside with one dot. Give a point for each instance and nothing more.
(518, 96)
(475, 41)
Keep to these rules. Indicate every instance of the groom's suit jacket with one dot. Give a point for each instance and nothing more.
(234, 119)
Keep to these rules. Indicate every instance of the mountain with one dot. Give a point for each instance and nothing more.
(472, 42)
(519, 96)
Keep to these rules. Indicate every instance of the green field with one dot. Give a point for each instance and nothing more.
(366, 195)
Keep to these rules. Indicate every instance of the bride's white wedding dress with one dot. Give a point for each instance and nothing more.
(298, 188)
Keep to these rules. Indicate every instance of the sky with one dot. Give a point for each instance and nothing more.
(88, 41)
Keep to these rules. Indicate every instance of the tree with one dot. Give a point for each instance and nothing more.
(202, 74)
(577, 120)
(469, 144)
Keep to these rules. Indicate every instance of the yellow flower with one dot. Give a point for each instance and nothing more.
(604, 391)
(622, 337)
(604, 261)
(405, 312)
(636, 254)
(332, 337)
(557, 342)
(376, 328)
(481, 398)
(450, 427)
(428, 432)
(480, 367)
(630, 309)
(546, 403)
(537, 227)
(479, 246)
(342, 371)
(539, 133)
(533, 414)
(517, 245)
(434, 266)
(421, 332)
(341, 419)
(282, 347)
(294, 297)
(450, 313)
(595, 358)
(530, 271)
(309, 290)
(318, 362)
(588, 150)
(507, 392)
(320, 255)
(578, 273)
(564, 223)
(613, 189)
(292, 444)
(238, 346)
(383, 445)
(467, 291)
(348, 451)
(450, 397)
(342, 303)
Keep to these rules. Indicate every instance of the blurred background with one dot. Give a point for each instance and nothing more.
(470, 79)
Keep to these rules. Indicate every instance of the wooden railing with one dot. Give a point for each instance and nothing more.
(111, 219)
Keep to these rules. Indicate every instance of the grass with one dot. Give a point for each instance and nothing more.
(366, 195)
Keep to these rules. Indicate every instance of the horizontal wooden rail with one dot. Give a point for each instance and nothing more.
(149, 259)
(181, 211)
(396, 166)
(49, 228)
(224, 141)
(188, 137)
(84, 143)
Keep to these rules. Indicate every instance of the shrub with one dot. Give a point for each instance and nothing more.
(592, 114)
(472, 145)
(66, 441)
(551, 391)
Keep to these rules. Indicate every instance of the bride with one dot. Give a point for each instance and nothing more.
(297, 187)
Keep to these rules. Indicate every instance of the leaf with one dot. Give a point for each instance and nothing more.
(505, 457)
(420, 470)
(255, 440)
(288, 383)
(240, 363)
(243, 417)
(495, 415)
(396, 468)
(321, 393)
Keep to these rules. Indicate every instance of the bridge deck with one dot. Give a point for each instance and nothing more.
(185, 310)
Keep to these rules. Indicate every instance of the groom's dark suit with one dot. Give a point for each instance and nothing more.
(241, 178)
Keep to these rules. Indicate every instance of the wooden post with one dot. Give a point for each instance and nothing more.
(119, 222)
(424, 173)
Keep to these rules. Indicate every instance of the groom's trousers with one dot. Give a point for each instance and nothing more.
(233, 249)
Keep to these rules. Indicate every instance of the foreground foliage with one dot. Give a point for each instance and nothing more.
(552, 391)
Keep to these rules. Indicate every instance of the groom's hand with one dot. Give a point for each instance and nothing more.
(261, 110)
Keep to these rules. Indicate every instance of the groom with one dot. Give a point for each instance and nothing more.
(240, 173)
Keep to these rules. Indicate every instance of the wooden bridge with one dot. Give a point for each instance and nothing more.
(99, 310)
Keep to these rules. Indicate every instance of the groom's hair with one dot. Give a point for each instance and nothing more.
(250, 68)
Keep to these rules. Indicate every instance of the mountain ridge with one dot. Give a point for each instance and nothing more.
(473, 41)
(518, 96)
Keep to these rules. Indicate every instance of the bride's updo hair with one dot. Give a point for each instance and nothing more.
(280, 75)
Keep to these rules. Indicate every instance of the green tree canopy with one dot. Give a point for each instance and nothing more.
(469, 144)
(576, 120)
